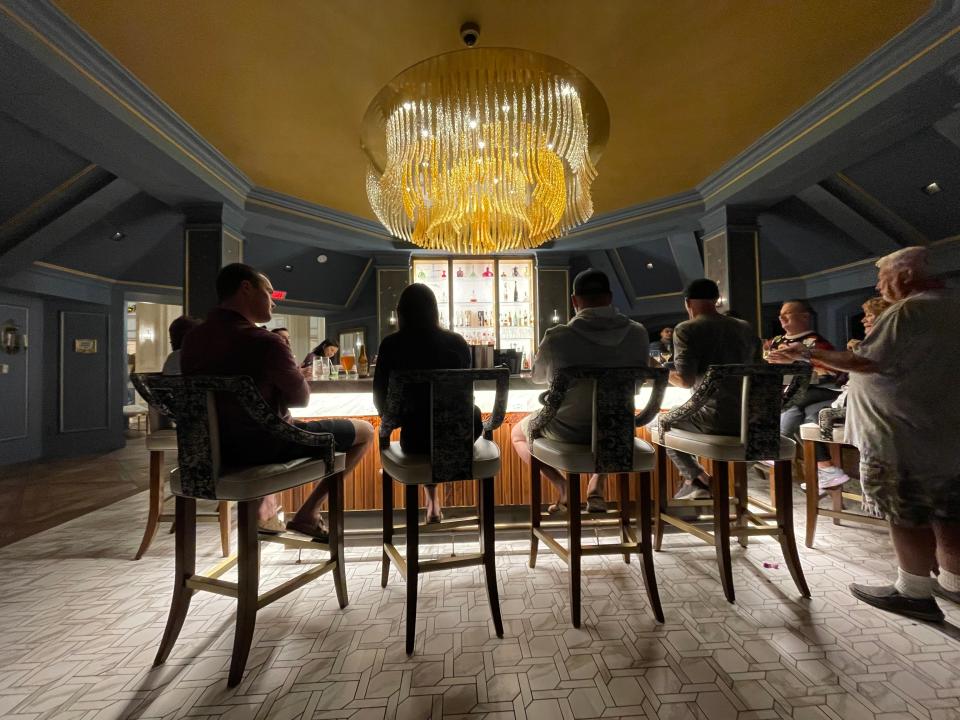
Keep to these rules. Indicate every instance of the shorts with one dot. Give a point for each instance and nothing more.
(343, 431)
(910, 500)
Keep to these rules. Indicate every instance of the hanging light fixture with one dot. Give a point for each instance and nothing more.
(484, 150)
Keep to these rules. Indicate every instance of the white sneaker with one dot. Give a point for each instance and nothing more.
(831, 477)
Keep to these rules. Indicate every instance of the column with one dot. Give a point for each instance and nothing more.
(731, 258)
(211, 239)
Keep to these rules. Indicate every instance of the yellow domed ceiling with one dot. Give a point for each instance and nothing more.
(280, 88)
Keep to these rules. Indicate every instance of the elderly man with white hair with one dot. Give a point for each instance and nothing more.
(903, 413)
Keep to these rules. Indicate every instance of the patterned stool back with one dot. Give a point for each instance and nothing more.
(451, 415)
(762, 399)
(614, 409)
(190, 401)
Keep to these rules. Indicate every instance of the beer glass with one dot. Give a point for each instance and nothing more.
(348, 359)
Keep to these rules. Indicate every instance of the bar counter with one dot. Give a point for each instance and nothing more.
(362, 489)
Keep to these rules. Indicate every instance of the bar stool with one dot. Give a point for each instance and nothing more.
(759, 439)
(453, 456)
(160, 440)
(190, 402)
(829, 429)
(614, 450)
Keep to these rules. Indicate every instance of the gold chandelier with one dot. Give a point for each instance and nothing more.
(484, 150)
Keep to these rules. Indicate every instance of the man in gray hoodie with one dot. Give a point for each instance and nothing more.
(597, 335)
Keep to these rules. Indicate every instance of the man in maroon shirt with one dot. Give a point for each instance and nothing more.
(230, 343)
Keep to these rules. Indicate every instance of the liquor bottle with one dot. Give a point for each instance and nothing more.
(473, 272)
(516, 271)
(516, 295)
(486, 272)
(421, 275)
(473, 296)
(506, 294)
(526, 271)
(443, 273)
(460, 272)
(363, 367)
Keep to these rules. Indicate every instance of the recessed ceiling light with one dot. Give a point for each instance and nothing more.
(288, 268)
(118, 236)
(649, 266)
(321, 259)
(932, 189)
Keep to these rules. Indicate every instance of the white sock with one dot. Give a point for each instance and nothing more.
(949, 581)
(914, 586)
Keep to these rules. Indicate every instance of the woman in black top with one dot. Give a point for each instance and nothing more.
(328, 348)
(419, 344)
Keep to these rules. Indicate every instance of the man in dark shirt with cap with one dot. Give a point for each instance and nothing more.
(708, 338)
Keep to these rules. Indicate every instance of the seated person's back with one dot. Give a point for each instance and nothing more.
(419, 344)
(714, 339)
(598, 336)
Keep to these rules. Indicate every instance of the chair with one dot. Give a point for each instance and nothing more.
(762, 397)
(162, 439)
(202, 474)
(829, 429)
(614, 449)
(453, 456)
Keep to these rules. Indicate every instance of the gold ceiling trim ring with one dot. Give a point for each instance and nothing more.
(102, 278)
(316, 218)
(918, 236)
(870, 88)
(632, 218)
(130, 108)
(16, 219)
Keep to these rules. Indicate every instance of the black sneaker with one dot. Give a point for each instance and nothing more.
(887, 597)
(693, 491)
(596, 504)
(940, 591)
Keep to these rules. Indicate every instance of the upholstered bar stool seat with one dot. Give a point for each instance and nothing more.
(614, 450)
(762, 397)
(570, 457)
(811, 431)
(162, 438)
(724, 448)
(454, 455)
(259, 480)
(191, 402)
(829, 430)
(417, 469)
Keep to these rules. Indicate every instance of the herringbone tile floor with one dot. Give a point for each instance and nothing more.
(80, 623)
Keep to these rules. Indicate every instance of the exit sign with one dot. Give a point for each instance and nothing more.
(279, 295)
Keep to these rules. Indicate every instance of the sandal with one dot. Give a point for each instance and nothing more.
(557, 509)
(435, 519)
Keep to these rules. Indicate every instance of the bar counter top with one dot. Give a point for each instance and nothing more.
(354, 398)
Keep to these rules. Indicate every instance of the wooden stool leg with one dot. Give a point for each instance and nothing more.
(721, 526)
(185, 565)
(623, 480)
(813, 489)
(223, 510)
(785, 523)
(573, 541)
(646, 545)
(536, 507)
(659, 497)
(488, 549)
(387, 526)
(335, 501)
(411, 498)
(836, 502)
(742, 494)
(248, 587)
(156, 502)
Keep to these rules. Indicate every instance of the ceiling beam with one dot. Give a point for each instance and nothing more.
(37, 245)
(834, 210)
(866, 205)
(686, 254)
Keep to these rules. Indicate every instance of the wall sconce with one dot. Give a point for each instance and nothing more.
(555, 318)
(392, 320)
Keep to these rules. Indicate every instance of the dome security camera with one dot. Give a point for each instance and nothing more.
(470, 33)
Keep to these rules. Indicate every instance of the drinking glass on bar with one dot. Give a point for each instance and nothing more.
(348, 359)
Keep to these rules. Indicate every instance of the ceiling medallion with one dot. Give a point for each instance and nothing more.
(484, 150)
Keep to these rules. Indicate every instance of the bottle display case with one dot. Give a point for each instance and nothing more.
(490, 301)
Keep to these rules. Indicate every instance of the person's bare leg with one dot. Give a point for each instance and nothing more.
(595, 486)
(309, 512)
(269, 506)
(916, 548)
(433, 501)
(520, 444)
(948, 555)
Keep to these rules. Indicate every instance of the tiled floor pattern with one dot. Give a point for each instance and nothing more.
(80, 623)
